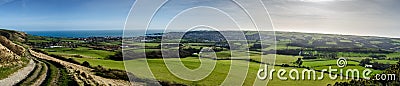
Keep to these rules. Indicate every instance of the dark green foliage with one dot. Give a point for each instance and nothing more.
(365, 62)
(111, 73)
(285, 65)
(86, 64)
(378, 56)
(117, 57)
(58, 73)
(394, 69)
(156, 54)
(299, 62)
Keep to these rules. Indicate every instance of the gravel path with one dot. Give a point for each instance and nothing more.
(42, 77)
(84, 75)
(19, 75)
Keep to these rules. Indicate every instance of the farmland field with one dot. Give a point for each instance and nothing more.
(83, 51)
(218, 75)
(298, 51)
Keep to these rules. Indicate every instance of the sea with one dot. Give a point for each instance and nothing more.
(91, 33)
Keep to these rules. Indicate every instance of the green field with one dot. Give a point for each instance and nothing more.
(320, 65)
(8, 70)
(279, 60)
(325, 63)
(105, 63)
(386, 61)
(218, 75)
(83, 51)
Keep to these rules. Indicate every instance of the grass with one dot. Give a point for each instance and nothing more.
(379, 61)
(352, 54)
(279, 60)
(57, 75)
(392, 55)
(281, 47)
(152, 44)
(83, 51)
(111, 43)
(320, 65)
(375, 42)
(357, 58)
(218, 75)
(52, 73)
(105, 63)
(326, 62)
(6, 71)
(325, 81)
(346, 41)
(225, 54)
(359, 68)
(386, 61)
(331, 43)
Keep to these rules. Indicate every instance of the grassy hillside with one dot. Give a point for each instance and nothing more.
(13, 56)
(323, 48)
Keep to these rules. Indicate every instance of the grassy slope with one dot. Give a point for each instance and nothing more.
(218, 75)
(83, 51)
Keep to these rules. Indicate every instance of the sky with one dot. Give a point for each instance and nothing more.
(353, 17)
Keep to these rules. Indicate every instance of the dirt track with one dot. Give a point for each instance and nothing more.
(19, 75)
(83, 75)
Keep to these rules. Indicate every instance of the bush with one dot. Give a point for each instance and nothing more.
(167, 83)
(285, 65)
(117, 56)
(86, 64)
(110, 73)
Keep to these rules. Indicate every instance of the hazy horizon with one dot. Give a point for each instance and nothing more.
(348, 17)
(183, 31)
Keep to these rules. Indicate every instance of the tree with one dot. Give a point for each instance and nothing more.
(299, 62)
(364, 62)
(117, 56)
(393, 69)
(86, 64)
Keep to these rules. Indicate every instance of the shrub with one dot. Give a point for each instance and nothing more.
(111, 73)
(86, 64)
(117, 56)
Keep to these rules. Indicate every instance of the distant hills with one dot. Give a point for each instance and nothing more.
(283, 39)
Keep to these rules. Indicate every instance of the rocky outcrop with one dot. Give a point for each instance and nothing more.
(13, 35)
(19, 50)
(11, 53)
(8, 57)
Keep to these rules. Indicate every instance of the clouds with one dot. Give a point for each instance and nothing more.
(360, 17)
